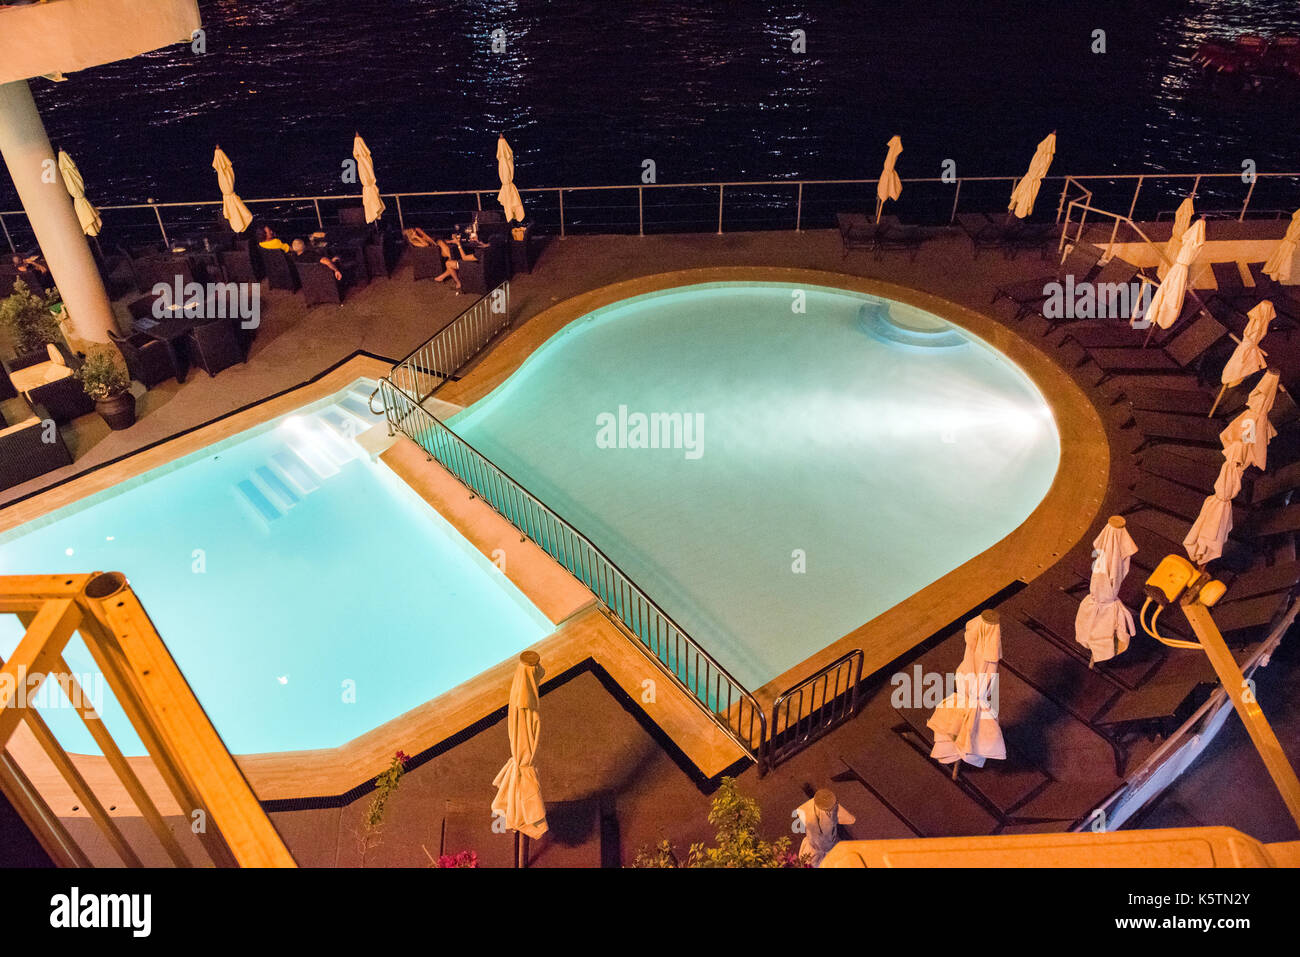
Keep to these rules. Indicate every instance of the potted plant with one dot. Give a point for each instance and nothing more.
(29, 320)
(105, 381)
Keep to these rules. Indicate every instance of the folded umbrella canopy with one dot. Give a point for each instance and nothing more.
(1182, 219)
(889, 186)
(1103, 625)
(1252, 428)
(370, 198)
(1204, 542)
(509, 195)
(87, 215)
(1248, 358)
(1026, 189)
(1278, 267)
(519, 794)
(965, 723)
(232, 207)
(1167, 304)
(821, 816)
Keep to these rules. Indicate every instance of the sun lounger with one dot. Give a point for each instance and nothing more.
(1182, 351)
(856, 231)
(1080, 261)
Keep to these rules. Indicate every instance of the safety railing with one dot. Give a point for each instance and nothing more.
(209, 789)
(442, 356)
(691, 207)
(813, 707)
(724, 699)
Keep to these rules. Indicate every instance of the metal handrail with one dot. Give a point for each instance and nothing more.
(820, 702)
(723, 698)
(720, 185)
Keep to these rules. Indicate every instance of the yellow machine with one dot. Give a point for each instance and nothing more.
(1176, 579)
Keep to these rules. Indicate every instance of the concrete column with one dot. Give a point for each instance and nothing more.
(45, 199)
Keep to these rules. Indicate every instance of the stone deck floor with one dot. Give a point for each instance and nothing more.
(611, 783)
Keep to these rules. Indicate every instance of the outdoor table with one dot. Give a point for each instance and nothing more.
(172, 332)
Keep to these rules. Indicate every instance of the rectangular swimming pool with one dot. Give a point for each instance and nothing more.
(306, 592)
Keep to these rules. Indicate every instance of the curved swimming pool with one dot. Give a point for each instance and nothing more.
(774, 464)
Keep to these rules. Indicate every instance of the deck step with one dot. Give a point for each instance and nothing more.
(296, 470)
(253, 495)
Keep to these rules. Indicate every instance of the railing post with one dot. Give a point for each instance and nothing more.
(9, 239)
(956, 193)
(1250, 192)
(561, 193)
(401, 221)
(640, 210)
(1133, 205)
(721, 187)
(162, 229)
(798, 211)
(320, 223)
(1060, 203)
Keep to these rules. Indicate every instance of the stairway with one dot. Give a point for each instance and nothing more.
(316, 447)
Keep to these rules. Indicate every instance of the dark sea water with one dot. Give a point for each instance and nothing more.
(586, 91)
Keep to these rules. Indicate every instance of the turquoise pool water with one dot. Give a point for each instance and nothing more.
(821, 465)
(307, 593)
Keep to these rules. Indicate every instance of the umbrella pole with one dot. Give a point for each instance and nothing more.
(1216, 400)
(956, 766)
(879, 208)
(1150, 332)
(517, 839)
(523, 856)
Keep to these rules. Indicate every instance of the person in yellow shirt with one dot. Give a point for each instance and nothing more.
(270, 240)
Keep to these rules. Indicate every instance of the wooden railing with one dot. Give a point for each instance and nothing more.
(215, 799)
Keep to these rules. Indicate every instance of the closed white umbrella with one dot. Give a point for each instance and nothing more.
(370, 198)
(509, 195)
(1182, 219)
(87, 215)
(1167, 304)
(519, 794)
(1026, 189)
(965, 723)
(1252, 427)
(1248, 358)
(1278, 266)
(232, 207)
(1204, 542)
(1103, 625)
(821, 816)
(889, 186)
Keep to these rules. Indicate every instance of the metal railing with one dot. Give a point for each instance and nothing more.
(814, 706)
(784, 204)
(726, 701)
(441, 357)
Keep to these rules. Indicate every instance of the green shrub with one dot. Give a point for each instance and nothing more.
(102, 375)
(27, 318)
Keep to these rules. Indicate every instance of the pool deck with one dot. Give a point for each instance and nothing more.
(614, 781)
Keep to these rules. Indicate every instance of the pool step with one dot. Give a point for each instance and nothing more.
(315, 449)
(259, 502)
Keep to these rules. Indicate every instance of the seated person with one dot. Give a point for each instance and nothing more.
(418, 237)
(267, 239)
(31, 271)
(300, 251)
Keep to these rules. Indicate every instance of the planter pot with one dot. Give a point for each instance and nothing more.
(118, 412)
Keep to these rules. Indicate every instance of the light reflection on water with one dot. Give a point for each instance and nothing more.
(587, 91)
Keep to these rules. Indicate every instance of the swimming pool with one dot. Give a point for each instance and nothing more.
(307, 594)
(774, 464)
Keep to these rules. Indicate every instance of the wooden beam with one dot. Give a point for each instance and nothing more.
(40, 649)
